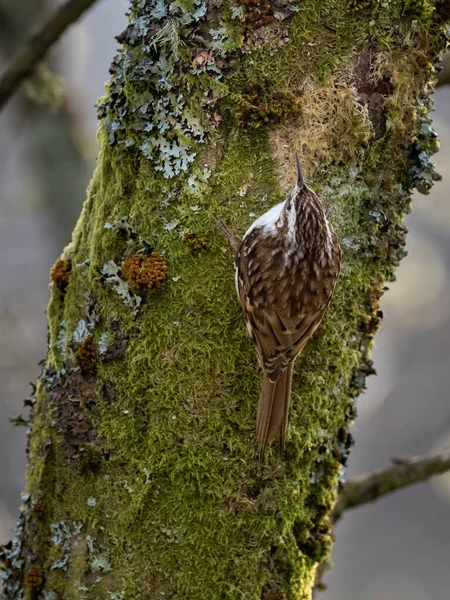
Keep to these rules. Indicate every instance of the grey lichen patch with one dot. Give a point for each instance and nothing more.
(23, 572)
(424, 144)
(138, 270)
(117, 595)
(106, 340)
(99, 559)
(74, 341)
(62, 534)
(81, 559)
(111, 273)
(12, 563)
(145, 107)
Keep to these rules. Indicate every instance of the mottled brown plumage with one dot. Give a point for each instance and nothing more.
(286, 268)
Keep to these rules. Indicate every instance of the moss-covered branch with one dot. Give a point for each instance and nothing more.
(372, 486)
(143, 478)
(24, 61)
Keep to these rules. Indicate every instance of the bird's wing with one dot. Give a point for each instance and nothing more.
(279, 339)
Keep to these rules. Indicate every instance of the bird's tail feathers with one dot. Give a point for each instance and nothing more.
(273, 410)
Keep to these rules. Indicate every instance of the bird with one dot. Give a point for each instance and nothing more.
(287, 266)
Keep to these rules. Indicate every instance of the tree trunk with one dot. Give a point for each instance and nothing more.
(143, 479)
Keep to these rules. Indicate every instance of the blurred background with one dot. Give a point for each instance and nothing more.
(395, 549)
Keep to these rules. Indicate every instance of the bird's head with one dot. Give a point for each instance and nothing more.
(304, 217)
(295, 199)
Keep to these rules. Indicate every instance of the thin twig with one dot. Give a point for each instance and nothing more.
(370, 487)
(35, 47)
(404, 472)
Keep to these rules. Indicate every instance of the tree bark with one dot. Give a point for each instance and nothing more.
(143, 478)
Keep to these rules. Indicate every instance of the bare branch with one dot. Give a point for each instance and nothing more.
(35, 47)
(404, 472)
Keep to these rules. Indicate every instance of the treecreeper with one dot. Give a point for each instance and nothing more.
(287, 266)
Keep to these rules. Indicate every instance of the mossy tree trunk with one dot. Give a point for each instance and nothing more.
(143, 480)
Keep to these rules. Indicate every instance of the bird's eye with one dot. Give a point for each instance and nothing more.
(289, 206)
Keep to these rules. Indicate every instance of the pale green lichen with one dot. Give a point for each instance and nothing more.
(110, 271)
(166, 126)
(63, 532)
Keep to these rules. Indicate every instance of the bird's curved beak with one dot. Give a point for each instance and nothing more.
(300, 182)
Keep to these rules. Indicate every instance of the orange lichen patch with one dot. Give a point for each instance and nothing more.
(257, 12)
(59, 273)
(195, 243)
(144, 273)
(86, 356)
(33, 581)
(38, 509)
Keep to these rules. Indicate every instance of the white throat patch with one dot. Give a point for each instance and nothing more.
(268, 220)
